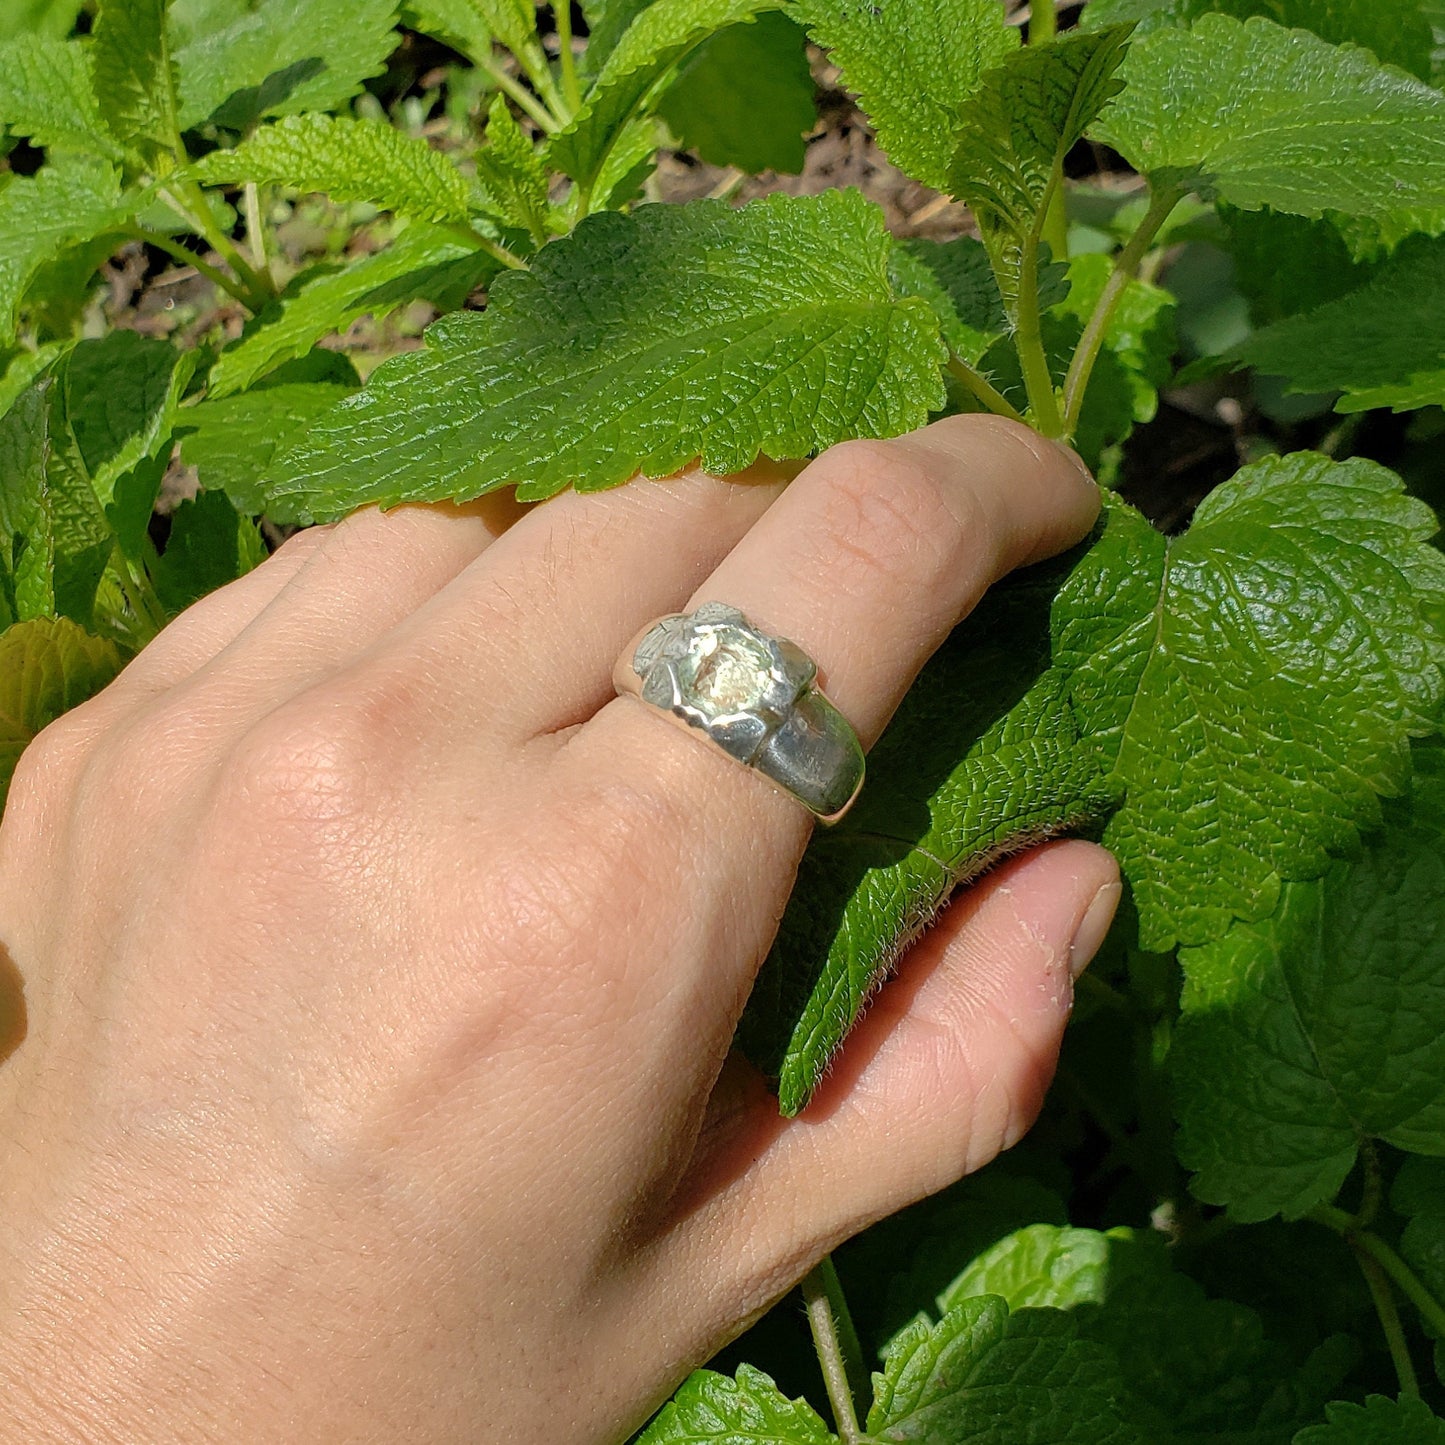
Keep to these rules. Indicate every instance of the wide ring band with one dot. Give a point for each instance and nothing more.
(753, 696)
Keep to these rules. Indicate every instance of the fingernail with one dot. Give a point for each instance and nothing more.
(1093, 927)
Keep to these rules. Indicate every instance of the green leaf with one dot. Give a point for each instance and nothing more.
(1322, 1025)
(121, 393)
(1249, 688)
(710, 1409)
(1042, 1266)
(51, 19)
(422, 263)
(47, 666)
(27, 537)
(745, 97)
(982, 1374)
(607, 22)
(660, 37)
(1253, 682)
(1383, 345)
(1287, 264)
(1204, 1365)
(1027, 114)
(1396, 30)
(510, 174)
(983, 758)
(457, 23)
(240, 60)
(46, 95)
(1378, 1421)
(210, 544)
(70, 200)
(913, 64)
(1418, 1192)
(514, 23)
(637, 344)
(351, 160)
(957, 280)
(232, 440)
(898, 1268)
(1302, 126)
(134, 75)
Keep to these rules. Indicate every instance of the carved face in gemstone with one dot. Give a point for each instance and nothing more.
(716, 671)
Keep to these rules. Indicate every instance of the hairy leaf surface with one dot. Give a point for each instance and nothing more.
(232, 440)
(351, 160)
(1321, 1025)
(47, 666)
(748, 1410)
(27, 534)
(957, 281)
(913, 64)
(1263, 116)
(639, 343)
(46, 95)
(1027, 114)
(72, 199)
(983, 1374)
(240, 60)
(423, 263)
(511, 175)
(1383, 345)
(1396, 30)
(134, 74)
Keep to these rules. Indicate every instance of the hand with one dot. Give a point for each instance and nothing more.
(381, 966)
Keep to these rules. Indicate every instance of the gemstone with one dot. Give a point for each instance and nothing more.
(725, 669)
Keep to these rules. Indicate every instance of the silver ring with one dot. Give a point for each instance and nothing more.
(752, 695)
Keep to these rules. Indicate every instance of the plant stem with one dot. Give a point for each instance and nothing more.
(189, 258)
(194, 215)
(837, 1344)
(1126, 264)
(984, 390)
(1043, 21)
(1389, 1315)
(1028, 338)
(1372, 1191)
(511, 87)
(495, 249)
(140, 597)
(255, 231)
(562, 10)
(1405, 1279)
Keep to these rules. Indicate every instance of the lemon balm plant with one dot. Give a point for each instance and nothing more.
(1254, 1092)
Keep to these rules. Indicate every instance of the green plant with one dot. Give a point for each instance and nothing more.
(1241, 711)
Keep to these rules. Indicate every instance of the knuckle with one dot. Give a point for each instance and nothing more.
(892, 510)
(300, 770)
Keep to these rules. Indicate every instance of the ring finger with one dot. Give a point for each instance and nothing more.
(871, 557)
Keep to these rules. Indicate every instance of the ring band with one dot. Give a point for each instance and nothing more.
(752, 695)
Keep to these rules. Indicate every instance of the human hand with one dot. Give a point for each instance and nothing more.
(381, 966)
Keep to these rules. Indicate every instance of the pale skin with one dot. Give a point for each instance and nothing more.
(380, 967)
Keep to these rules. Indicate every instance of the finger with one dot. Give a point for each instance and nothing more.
(869, 559)
(553, 602)
(947, 1069)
